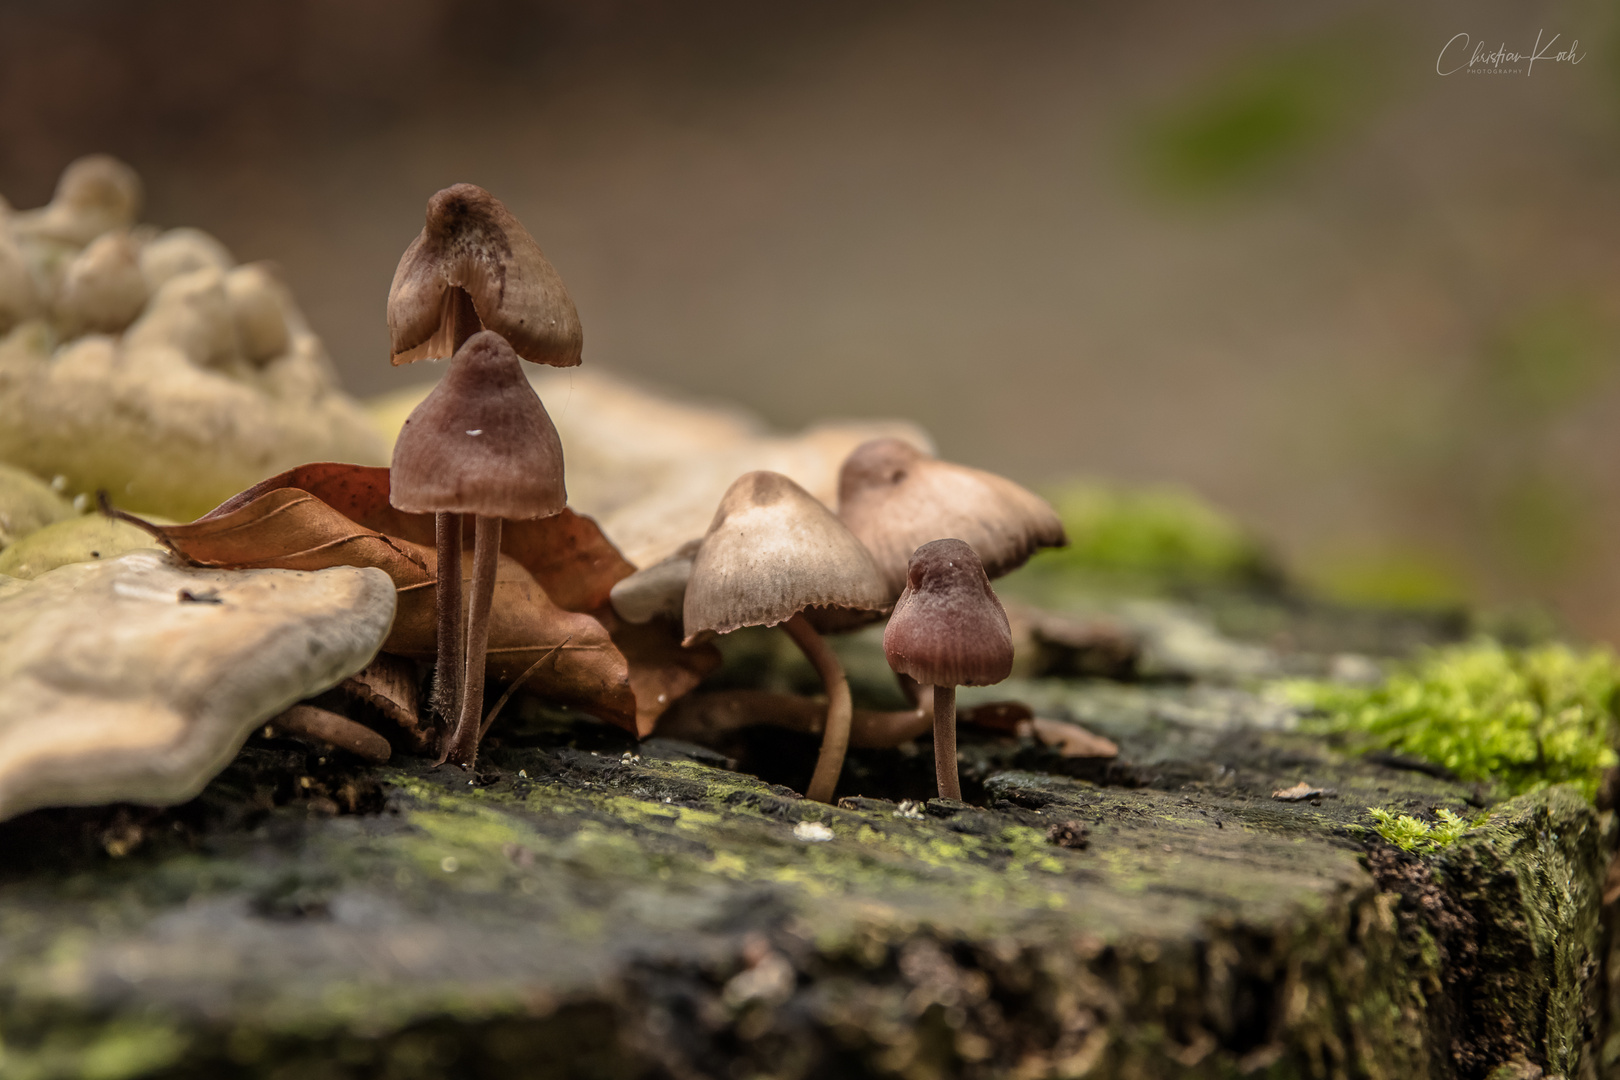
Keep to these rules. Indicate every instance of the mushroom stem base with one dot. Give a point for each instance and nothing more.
(446, 702)
(840, 708)
(463, 747)
(950, 784)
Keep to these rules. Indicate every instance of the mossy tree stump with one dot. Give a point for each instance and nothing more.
(586, 907)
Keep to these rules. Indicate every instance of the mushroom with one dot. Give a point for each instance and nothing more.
(474, 266)
(772, 552)
(948, 630)
(897, 498)
(482, 444)
(474, 253)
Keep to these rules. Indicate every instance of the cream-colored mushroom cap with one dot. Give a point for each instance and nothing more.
(772, 551)
(896, 498)
(473, 243)
(658, 591)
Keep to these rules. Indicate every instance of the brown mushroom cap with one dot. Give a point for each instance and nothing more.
(481, 442)
(948, 627)
(896, 498)
(473, 243)
(772, 551)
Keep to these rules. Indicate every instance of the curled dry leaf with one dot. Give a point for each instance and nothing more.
(662, 670)
(1072, 740)
(569, 556)
(389, 685)
(291, 528)
(138, 680)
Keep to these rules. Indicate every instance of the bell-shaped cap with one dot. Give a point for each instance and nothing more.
(472, 243)
(948, 628)
(480, 442)
(657, 592)
(896, 499)
(772, 551)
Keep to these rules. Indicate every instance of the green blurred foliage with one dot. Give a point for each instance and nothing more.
(1267, 110)
(1541, 525)
(1392, 577)
(1549, 358)
(1521, 718)
(1142, 538)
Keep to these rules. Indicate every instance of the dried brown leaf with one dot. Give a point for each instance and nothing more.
(293, 529)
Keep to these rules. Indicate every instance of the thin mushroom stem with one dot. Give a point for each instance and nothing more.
(322, 725)
(451, 644)
(840, 707)
(463, 748)
(950, 784)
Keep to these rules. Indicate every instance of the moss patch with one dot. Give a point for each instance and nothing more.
(1524, 719)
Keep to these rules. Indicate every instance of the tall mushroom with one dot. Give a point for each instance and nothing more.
(948, 630)
(897, 498)
(480, 443)
(771, 553)
(473, 266)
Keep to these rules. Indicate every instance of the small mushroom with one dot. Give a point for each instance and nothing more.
(474, 254)
(94, 195)
(103, 289)
(948, 630)
(771, 553)
(897, 498)
(481, 443)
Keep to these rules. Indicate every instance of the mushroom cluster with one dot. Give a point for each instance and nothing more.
(148, 364)
(775, 555)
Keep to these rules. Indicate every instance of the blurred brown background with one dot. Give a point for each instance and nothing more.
(1261, 249)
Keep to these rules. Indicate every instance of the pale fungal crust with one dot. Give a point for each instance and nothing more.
(473, 247)
(81, 538)
(27, 504)
(897, 498)
(137, 680)
(772, 551)
(148, 365)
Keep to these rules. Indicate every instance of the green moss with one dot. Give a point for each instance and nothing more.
(122, 1049)
(1524, 719)
(1142, 536)
(1414, 834)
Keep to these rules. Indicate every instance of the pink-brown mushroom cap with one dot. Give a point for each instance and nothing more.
(948, 627)
(481, 442)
